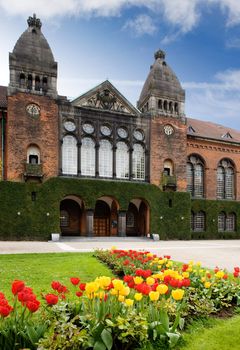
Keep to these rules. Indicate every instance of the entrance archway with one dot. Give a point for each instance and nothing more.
(72, 216)
(106, 217)
(137, 218)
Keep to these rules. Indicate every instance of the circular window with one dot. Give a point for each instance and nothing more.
(88, 128)
(139, 135)
(105, 130)
(168, 129)
(69, 126)
(122, 133)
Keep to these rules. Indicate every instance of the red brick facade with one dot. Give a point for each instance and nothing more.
(24, 130)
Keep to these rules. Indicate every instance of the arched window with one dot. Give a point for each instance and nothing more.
(225, 180)
(165, 105)
(88, 157)
(160, 106)
(33, 155)
(37, 84)
(69, 155)
(122, 161)
(171, 107)
(176, 107)
(138, 162)
(199, 222)
(221, 222)
(105, 159)
(44, 84)
(195, 176)
(22, 80)
(29, 82)
(168, 167)
(226, 222)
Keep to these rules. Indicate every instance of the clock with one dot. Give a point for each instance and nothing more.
(88, 128)
(138, 134)
(69, 125)
(105, 130)
(168, 129)
(33, 110)
(122, 133)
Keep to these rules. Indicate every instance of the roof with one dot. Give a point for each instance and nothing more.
(161, 82)
(3, 97)
(209, 130)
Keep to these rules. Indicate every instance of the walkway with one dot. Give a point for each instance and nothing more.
(224, 253)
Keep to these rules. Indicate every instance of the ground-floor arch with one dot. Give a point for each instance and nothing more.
(137, 218)
(106, 217)
(72, 216)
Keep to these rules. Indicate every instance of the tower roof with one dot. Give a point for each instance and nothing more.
(32, 48)
(161, 82)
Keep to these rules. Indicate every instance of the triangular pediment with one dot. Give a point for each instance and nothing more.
(105, 97)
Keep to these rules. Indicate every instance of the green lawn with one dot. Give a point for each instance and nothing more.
(213, 334)
(39, 270)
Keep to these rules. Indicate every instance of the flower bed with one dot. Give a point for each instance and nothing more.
(144, 310)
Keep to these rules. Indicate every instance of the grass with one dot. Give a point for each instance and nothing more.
(39, 270)
(212, 334)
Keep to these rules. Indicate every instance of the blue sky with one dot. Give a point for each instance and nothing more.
(95, 40)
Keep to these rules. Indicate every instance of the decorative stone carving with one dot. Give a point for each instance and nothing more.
(34, 21)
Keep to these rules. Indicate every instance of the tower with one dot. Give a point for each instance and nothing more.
(162, 100)
(32, 122)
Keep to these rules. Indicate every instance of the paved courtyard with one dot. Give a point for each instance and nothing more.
(225, 254)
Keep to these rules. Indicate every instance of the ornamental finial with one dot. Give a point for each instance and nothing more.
(160, 54)
(34, 21)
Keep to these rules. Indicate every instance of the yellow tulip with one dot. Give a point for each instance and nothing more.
(129, 302)
(138, 280)
(154, 296)
(162, 289)
(219, 274)
(138, 296)
(117, 284)
(124, 291)
(185, 274)
(113, 292)
(177, 294)
(150, 281)
(92, 287)
(121, 298)
(103, 281)
(207, 284)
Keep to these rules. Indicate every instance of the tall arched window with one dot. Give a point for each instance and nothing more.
(226, 222)
(33, 155)
(22, 80)
(69, 155)
(37, 83)
(29, 82)
(138, 162)
(122, 161)
(199, 221)
(88, 157)
(225, 180)
(195, 176)
(105, 159)
(221, 222)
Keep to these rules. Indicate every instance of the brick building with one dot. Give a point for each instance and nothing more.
(102, 140)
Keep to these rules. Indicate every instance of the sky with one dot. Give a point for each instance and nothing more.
(95, 40)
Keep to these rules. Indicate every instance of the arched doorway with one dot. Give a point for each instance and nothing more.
(106, 217)
(137, 218)
(72, 216)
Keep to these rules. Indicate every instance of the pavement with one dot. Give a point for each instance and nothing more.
(211, 253)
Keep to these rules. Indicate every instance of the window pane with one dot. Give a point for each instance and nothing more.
(230, 222)
(105, 158)
(190, 178)
(199, 221)
(122, 161)
(229, 190)
(138, 162)
(221, 222)
(88, 157)
(198, 180)
(69, 155)
(220, 182)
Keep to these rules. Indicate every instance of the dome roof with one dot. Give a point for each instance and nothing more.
(32, 48)
(161, 82)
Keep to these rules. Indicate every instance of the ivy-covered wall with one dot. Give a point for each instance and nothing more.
(21, 217)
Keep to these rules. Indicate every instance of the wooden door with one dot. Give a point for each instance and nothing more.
(101, 227)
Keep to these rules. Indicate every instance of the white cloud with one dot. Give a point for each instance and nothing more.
(142, 24)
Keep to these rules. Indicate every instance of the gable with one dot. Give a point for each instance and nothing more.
(106, 97)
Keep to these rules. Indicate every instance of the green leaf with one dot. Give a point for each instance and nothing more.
(164, 319)
(173, 339)
(99, 346)
(107, 339)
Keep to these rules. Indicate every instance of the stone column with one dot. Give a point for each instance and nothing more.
(97, 160)
(130, 163)
(114, 162)
(122, 223)
(89, 222)
(79, 158)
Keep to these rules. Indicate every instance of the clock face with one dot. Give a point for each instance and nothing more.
(168, 129)
(69, 126)
(122, 133)
(88, 128)
(138, 134)
(105, 130)
(33, 110)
